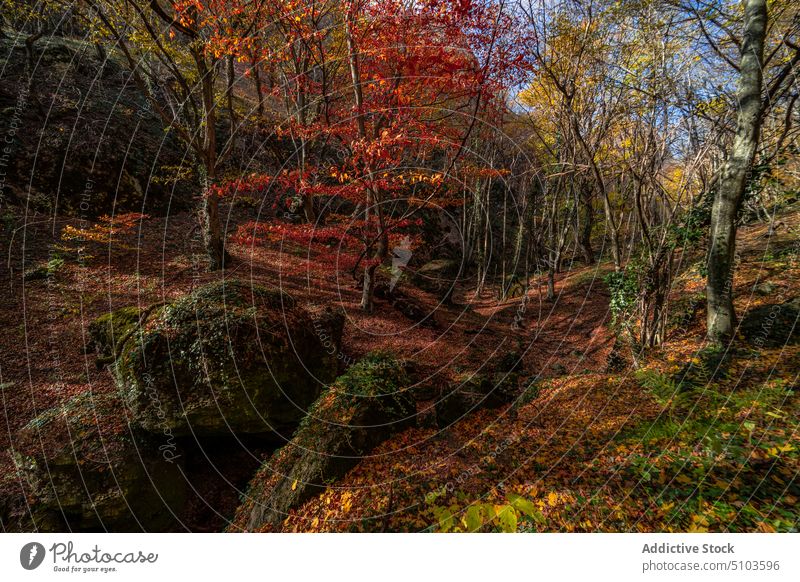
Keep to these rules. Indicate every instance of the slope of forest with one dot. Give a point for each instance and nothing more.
(591, 449)
(706, 447)
(377, 265)
(85, 140)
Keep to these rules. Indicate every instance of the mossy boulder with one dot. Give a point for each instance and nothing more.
(410, 307)
(365, 406)
(494, 387)
(110, 330)
(85, 469)
(440, 270)
(229, 358)
(514, 286)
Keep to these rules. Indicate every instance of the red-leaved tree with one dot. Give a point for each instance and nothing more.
(379, 98)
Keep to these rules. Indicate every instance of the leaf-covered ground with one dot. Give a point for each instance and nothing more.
(581, 450)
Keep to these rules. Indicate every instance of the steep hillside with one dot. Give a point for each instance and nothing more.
(80, 139)
(692, 440)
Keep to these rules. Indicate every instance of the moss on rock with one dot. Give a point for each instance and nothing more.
(109, 330)
(229, 358)
(366, 406)
(474, 392)
(86, 469)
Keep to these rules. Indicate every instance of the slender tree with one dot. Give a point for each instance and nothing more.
(175, 65)
(734, 176)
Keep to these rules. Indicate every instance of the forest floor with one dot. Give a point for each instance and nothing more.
(591, 450)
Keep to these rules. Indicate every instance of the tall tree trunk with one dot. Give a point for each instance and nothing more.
(611, 223)
(373, 203)
(308, 200)
(613, 232)
(259, 89)
(212, 232)
(308, 209)
(584, 222)
(733, 179)
(522, 237)
(230, 78)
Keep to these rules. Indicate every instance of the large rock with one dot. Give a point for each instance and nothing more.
(73, 153)
(109, 332)
(366, 406)
(407, 305)
(85, 469)
(229, 358)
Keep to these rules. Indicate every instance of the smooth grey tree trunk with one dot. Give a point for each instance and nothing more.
(733, 180)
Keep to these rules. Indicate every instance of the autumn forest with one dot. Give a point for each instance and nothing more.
(399, 265)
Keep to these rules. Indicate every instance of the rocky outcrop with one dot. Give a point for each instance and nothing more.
(67, 160)
(473, 391)
(109, 332)
(439, 277)
(227, 366)
(407, 305)
(85, 469)
(229, 358)
(364, 407)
